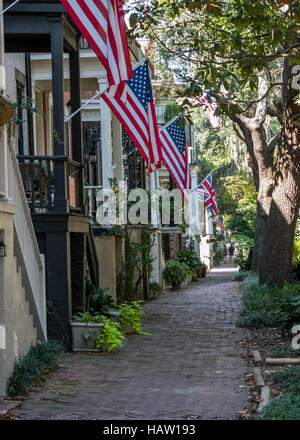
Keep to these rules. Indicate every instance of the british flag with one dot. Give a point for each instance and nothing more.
(137, 114)
(206, 189)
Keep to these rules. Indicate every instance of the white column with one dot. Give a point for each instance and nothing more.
(209, 223)
(195, 204)
(106, 144)
(118, 166)
(154, 212)
(155, 221)
(196, 227)
(3, 136)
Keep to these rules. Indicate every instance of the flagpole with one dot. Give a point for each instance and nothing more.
(86, 103)
(8, 7)
(98, 93)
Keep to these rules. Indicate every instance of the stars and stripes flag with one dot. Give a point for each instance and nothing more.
(175, 153)
(219, 222)
(137, 113)
(206, 189)
(102, 23)
(209, 107)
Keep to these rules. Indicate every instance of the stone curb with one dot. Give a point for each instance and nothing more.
(257, 357)
(260, 383)
(258, 378)
(265, 398)
(282, 361)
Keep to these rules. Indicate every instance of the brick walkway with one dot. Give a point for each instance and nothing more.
(189, 366)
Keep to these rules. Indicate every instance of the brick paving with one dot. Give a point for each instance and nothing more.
(189, 367)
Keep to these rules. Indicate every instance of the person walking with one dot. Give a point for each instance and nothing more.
(224, 252)
(231, 252)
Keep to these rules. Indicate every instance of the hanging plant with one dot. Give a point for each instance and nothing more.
(6, 111)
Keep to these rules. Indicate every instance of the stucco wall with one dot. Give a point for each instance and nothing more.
(16, 325)
(105, 246)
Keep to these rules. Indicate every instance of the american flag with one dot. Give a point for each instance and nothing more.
(137, 113)
(102, 23)
(206, 189)
(209, 108)
(219, 222)
(175, 154)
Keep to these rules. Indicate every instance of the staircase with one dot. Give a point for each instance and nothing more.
(29, 261)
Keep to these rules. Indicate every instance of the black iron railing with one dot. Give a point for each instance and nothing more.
(38, 175)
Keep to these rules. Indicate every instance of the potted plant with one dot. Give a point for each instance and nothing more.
(87, 326)
(203, 270)
(174, 273)
(6, 110)
(100, 303)
(85, 331)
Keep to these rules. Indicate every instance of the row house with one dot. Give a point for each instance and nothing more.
(62, 165)
(50, 174)
(49, 154)
(174, 238)
(23, 318)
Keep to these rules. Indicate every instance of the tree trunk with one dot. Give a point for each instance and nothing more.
(260, 162)
(264, 160)
(276, 264)
(284, 210)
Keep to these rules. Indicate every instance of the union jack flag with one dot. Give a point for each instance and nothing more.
(175, 154)
(137, 114)
(206, 189)
(102, 23)
(209, 108)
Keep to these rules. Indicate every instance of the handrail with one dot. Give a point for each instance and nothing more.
(25, 206)
(32, 259)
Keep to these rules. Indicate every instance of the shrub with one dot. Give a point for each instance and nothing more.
(99, 302)
(111, 336)
(240, 276)
(289, 297)
(218, 257)
(281, 352)
(287, 379)
(190, 259)
(285, 407)
(263, 306)
(258, 306)
(174, 273)
(40, 359)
